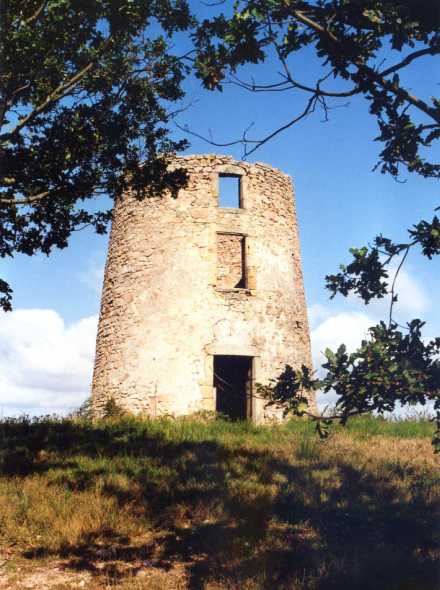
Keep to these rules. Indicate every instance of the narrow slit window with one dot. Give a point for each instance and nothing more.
(231, 261)
(229, 186)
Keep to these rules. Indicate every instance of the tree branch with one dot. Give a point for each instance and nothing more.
(26, 200)
(409, 58)
(315, 26)
(401, 92)
(311, 103)
(60, 92)
(36, 14)
(310, 107)
(317, 89)
(323, 418)
(20, 89)
(368, 71)
(393, 285)
(290, 84)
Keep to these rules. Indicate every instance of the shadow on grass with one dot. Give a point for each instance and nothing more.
(236, 516)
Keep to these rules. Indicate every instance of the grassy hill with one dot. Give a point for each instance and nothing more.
(193, 504)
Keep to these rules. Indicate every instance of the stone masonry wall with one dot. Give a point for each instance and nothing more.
(230, 261)
(165, 309)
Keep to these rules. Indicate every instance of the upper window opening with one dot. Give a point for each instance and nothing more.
(229, 191)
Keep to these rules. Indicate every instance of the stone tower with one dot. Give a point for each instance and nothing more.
(203, 295)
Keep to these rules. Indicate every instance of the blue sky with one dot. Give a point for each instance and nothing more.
(47, 343)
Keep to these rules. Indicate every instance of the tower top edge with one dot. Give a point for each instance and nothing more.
(222, 159)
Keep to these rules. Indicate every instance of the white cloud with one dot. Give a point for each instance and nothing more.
(45, 366)
(346, 320)
(347, 328)
(412, 298)
(350, 327)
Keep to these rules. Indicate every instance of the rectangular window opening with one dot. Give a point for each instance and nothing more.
(233, 385)
(229, 186)
(231, 261)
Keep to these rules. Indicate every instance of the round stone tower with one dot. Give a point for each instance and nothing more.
(203, 294)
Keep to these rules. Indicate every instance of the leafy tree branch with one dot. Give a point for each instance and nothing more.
(366, 275)
(390, 368)
(347, 37)
(85, 96)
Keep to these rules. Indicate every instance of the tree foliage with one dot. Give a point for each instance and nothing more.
(84, 89)
(350, 38)
(391, 367)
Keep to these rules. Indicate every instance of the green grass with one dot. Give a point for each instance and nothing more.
(209, 505)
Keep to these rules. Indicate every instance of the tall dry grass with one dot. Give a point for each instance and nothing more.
(217, 505)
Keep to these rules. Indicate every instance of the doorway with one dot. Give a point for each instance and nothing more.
(233, 384)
